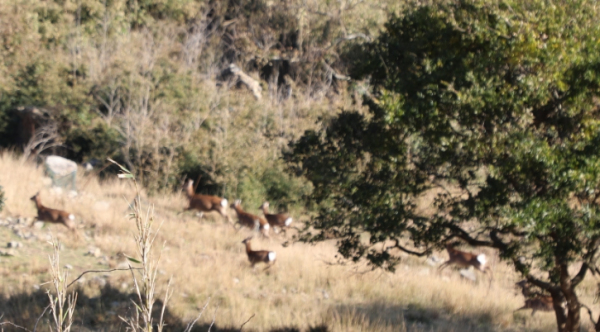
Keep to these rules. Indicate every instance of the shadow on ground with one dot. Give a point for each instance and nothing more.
(98, 314)
(410, 318)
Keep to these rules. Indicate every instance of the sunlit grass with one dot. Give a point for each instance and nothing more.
(207, 259)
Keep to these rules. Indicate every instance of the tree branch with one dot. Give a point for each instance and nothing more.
(408, 251)
(580, 275)
(464, 235)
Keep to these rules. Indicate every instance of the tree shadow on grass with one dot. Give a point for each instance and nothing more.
(411, 317)
(99, 313)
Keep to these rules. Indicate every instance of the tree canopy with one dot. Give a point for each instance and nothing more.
(491, 106)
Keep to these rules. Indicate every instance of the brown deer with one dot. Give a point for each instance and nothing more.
(466, 260)
(54, 216)
(538, 303)
(259, 256)
(205, 203)
(250, 220)
(280, 220)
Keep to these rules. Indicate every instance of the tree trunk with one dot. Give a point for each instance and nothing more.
(573, 321)
(559, 311)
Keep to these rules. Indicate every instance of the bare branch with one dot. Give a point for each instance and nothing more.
(241, 327)
(191, 325)
(590, 313)
(100, 271)
(408, 251)
(39, 318)
(213, 320)
(580, 275)
(45, 137)
(464, 235)
(15, 325)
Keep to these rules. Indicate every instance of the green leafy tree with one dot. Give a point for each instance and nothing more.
(494, 108)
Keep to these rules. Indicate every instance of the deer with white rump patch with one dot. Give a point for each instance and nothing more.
(280, 220)
(259, 256)
(205, 203)
(54, 216)
(250, 220)
(466, 260)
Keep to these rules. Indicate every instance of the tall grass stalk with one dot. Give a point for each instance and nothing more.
(62, 305)
(145, 287)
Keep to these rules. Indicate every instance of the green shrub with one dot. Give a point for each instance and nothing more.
(98, 142)
(190, 166)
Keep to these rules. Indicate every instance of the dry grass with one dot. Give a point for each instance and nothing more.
(207, 259)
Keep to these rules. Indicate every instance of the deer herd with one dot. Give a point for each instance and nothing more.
(536, 301)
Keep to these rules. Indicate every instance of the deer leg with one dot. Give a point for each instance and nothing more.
(265, 233)
(185, 210)
(225, 215)
(443, 266)
(237, 229)
(532, 312)
(485, 271)
(521, 308)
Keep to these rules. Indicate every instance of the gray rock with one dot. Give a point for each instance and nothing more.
(93, 251)
(61, 166)
(433, 260)
(468, 274)
(14, 244)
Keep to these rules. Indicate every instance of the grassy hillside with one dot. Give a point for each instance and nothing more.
(302, 290)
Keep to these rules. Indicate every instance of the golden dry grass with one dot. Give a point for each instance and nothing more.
(207, 259)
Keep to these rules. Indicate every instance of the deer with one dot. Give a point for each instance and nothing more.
(204, 203)
(466, 260)
(538, 303)
(280, 220)
(259, 256)
(250, 220)
(54, 216)
(535, 301)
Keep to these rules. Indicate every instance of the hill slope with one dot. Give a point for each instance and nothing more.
(207, 260)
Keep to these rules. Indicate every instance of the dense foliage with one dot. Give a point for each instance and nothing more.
(142, 82)
(492, 107)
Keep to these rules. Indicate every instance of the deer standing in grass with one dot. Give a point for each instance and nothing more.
(205, 203)
(280, 220)
(54, 216)
(466, 260)
(250, 220)
(259, 256)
